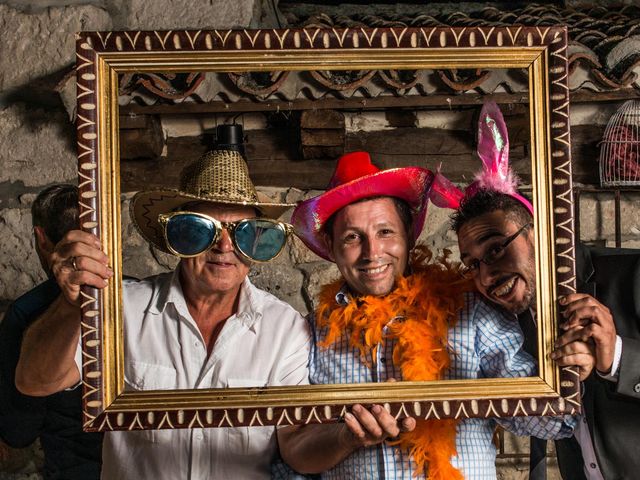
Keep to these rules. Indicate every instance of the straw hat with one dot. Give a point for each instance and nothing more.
(356, 178)
(219, 176)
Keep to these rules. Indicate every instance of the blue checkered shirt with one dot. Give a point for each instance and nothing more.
(486, 343)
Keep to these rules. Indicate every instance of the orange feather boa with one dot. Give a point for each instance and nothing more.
(428, 301)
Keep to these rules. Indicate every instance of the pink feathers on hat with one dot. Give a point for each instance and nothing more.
(496, 175)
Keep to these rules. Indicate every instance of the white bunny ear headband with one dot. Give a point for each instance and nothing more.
(493, 150)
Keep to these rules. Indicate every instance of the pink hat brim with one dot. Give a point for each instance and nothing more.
(411, 184)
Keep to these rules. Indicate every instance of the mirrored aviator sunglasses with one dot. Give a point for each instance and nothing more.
(188, 234)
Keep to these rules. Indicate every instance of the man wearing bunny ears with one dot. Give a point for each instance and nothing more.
(494, 224)
(387, 318)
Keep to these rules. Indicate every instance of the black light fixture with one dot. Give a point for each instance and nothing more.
(230, 137)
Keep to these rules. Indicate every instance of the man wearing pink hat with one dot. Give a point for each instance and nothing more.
(387, 319)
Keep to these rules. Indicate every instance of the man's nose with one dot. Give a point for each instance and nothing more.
(224, 244)
(371, 248)
(486, 275)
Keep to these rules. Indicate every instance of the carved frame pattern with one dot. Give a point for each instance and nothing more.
(101, 56)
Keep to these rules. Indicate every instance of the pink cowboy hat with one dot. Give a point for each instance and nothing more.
(356, 178)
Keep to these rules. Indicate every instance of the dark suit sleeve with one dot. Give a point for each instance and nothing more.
(629, 331)
(21, 417)
(615, 278)
(629, 370)
(611, 408)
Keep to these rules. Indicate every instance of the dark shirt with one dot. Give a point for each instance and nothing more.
(69, 453)
(612, 409)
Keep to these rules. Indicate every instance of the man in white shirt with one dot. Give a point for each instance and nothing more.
(202, 326)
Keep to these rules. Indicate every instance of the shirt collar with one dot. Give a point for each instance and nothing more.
(249, 304)
(343, 296)
(170, 292)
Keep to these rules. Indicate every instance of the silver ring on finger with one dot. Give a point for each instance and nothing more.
(74, 264)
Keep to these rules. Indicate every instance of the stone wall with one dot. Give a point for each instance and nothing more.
(37, 53)
(37, 150)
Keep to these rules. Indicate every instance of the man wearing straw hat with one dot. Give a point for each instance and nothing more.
(398, 314)
(202, 326)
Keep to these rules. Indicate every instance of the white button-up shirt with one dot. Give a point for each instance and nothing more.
(583, 436)
(265, 343)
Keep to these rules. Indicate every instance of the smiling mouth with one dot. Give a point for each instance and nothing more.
(220, 262)
(505, 288)
(374, 271)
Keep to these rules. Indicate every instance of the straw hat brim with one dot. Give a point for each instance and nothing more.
(147, 205)
(411, 184)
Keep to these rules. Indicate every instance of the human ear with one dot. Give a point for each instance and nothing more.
(43, 243)
(44, 247)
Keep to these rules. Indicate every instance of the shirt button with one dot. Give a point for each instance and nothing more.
(199, 437)
(636, 388)
(592, 465)
(383, 360)
(584, 420)
(197, 344)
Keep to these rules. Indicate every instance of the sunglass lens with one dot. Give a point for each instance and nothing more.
(190, 234)
(260, 240)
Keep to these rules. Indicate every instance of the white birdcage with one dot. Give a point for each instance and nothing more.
(620, 147)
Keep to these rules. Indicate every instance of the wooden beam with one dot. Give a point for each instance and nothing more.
(585, 151)
(242, 106)
(274, 160)
(412, 101)
(322, 134)
(140, 137)
(322, 137)
(312, 119)
(588, 96)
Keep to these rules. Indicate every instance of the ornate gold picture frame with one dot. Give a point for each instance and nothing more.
(102, 56)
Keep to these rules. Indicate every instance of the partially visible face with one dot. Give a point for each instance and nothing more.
(370, 246)
(511, 281)
(218, 270)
